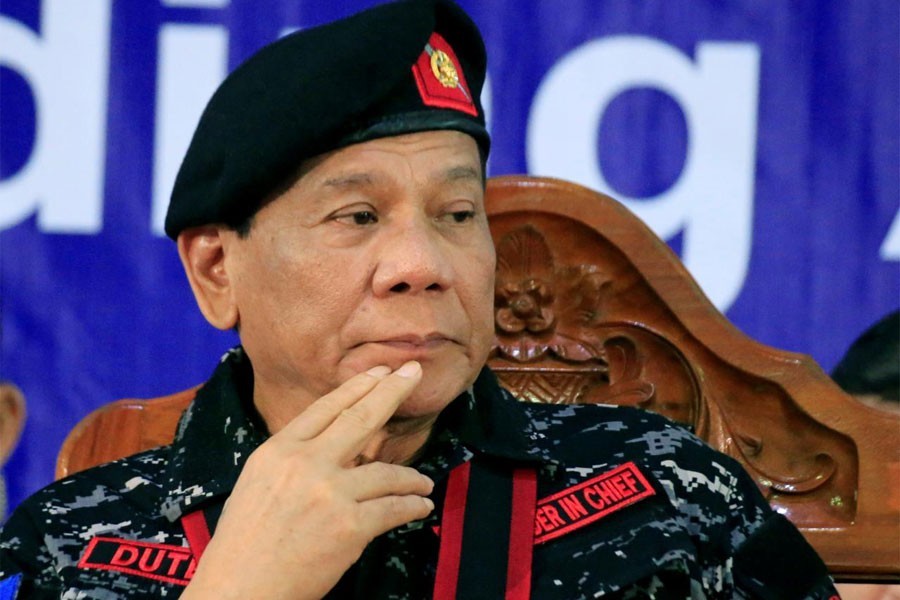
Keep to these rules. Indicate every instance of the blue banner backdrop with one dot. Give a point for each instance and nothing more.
(760, 138)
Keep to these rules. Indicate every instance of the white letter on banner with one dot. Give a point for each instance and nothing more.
(66, 69)
(890, 248)
(487, 105)
(193, 60)
(712, 201)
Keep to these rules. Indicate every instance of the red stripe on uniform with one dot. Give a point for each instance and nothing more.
(521, 535)
(447, 576)
(197, 532)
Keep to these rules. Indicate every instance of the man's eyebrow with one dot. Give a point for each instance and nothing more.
(349, 180)
(462, 172)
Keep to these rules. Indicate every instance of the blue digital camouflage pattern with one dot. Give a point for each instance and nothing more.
(689, 540)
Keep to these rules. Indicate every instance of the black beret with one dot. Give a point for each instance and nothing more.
(402, 67)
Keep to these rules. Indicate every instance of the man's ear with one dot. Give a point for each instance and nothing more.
(12, 418)
(203, 256)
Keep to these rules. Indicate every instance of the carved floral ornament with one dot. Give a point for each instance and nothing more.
(541, 308)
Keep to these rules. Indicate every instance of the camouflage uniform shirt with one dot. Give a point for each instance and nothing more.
(701, 531)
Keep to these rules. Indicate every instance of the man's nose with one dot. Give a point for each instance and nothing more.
(413, 258)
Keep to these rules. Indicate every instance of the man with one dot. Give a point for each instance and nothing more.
(331, 209)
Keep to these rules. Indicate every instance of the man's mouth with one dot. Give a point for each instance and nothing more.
(414, 342)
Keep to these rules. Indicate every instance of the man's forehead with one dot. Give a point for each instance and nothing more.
(442, 157)
(444, 174)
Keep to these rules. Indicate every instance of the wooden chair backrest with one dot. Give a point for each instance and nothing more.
(121, 428)
(591, 306)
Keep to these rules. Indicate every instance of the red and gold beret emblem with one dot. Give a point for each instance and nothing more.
(440, 78)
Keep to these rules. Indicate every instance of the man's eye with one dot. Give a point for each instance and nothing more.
(461, 216)
(360, 217)
(364, 217)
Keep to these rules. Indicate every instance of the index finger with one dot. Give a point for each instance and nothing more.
(354, 427)
(321, 413)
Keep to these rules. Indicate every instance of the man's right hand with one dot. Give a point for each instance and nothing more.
(302, 511)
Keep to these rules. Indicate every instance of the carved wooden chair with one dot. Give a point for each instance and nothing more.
(591, 306)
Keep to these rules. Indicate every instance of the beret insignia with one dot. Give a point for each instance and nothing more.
(441, 82)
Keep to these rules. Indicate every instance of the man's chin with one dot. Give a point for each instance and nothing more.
(427, 403)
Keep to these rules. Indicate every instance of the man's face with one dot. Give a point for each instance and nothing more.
(379, 254)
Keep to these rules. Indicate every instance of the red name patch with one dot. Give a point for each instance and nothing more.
(586, 502)
(172, 564)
